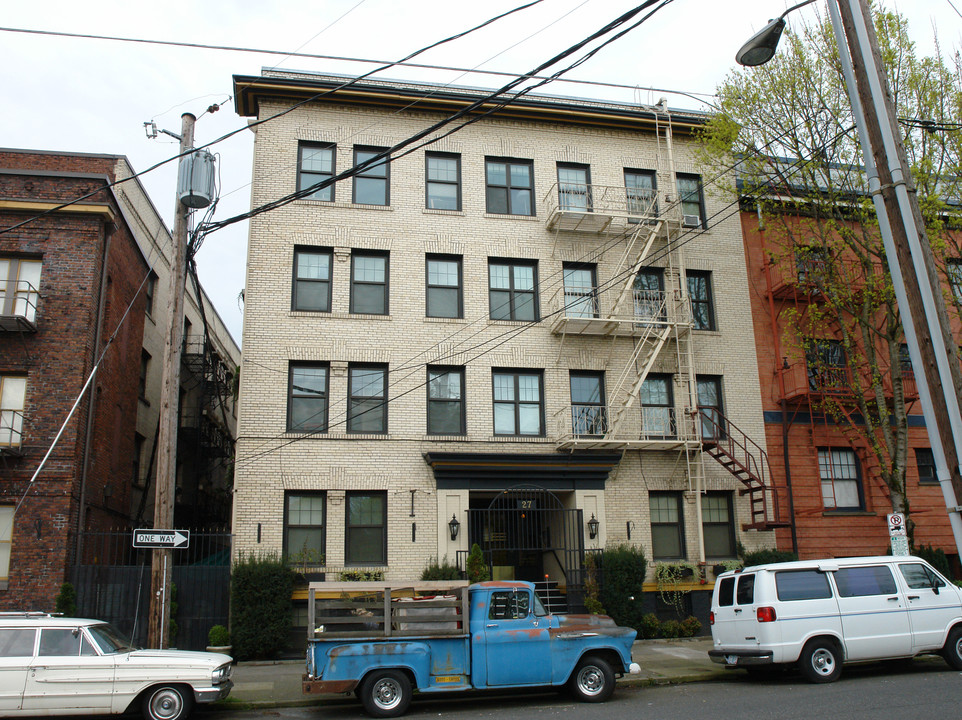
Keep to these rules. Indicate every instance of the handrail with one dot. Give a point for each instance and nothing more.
(617, 200)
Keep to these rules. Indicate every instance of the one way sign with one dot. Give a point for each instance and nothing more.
(174, 539)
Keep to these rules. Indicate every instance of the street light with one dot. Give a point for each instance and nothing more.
(911, 264)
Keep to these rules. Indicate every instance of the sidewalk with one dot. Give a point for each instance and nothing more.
(663, 662)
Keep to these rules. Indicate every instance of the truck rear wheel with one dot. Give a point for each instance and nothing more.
(592, 680)
(386, 693)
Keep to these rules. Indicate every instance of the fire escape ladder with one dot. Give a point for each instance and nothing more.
(646, 350)
(748, 462)
(628, 268)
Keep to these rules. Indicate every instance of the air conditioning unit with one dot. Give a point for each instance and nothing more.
(690, 220)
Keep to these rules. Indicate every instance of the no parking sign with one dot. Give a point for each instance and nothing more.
(897, 534)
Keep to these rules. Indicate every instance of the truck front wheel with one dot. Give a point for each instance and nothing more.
(592, 680)
(386, 693)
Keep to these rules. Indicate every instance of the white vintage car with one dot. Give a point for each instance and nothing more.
(53, 665)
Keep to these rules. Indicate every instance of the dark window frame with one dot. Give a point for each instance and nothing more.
(508, 187)
(716, 428)
(349, 527)
(288, 526)
(707, 302)
(827, 366)
(590, 298)
(428, 181)
(372, 173)
(516, 402)
(687, 197)
(301, 185)
(925, 462)
(835, 478)
(953, 272)
(295, 281)
(512, 292)
(588, 419)
(433, 257)
(629, 188)
(352, 398)
(729, 524)
(678, 526)
(669, 405)
(386, 284)
(454, 370)
(562, 205)
(322, 426)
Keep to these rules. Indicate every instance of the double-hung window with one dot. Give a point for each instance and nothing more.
(667, 527)
(150, 290)
(574, 187)
(518, 402)
(509, 186)
(710, 403)
(444, 287)
(312, 280)
(718, 525)
(692, 200)
(827, 366)
(367, 401)
(953, 269)
(304, 521)
(13, 395)
(512, 289)
(315, 163)
(19, 287)
(307, 398)
(925, 461)
(588, 411)
(581, 299)
(700, 296)
(372, 183)
(657, 407)
(446, 401)
(365, 533)
(369, 283)
(442, 181)
(641, 196)
(841, 482)
(649, 295)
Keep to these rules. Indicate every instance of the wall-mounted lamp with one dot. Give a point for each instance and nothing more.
(592, 527)
(454, 526)
(630, 524)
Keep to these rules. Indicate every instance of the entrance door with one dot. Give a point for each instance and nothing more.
(517, 641)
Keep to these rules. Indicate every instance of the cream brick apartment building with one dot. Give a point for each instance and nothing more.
(495, 338)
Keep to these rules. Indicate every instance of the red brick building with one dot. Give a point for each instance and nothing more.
(67, 278)
(828, 478)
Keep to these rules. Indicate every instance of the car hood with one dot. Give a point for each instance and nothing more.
(184, 657)
(592, 625)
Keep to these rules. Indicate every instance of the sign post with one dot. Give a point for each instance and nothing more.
(897, 534)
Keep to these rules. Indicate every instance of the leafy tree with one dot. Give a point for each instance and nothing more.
(789, 126)
(477, 568)
(623, 575)
(261, 608)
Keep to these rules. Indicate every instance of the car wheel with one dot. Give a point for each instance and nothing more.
(386, 693)
(592, 680)
(821, 661)
(952, 652)
(168, 702)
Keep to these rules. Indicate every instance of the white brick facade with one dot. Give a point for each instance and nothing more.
(272, 462)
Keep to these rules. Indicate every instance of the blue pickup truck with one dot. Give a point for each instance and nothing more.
(384, 643)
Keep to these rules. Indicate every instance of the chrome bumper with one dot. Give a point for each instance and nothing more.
(209, 695)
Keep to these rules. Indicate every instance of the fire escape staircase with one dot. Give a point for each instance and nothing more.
(748, 462)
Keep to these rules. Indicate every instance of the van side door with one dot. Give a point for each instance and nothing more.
(875, 620)
(933, 605)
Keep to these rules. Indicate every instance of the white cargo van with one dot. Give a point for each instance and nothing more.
(821, 613)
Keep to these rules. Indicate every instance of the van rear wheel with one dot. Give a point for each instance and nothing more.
(952, 652)
(821, 661)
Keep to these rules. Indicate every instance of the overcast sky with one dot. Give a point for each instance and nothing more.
(80, 95)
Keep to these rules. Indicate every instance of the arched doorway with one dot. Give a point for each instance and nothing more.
(527, 533)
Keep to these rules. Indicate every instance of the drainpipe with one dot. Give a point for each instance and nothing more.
(109, 229)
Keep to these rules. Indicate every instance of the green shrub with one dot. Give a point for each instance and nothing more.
(261, 587)
(592, 588)
(768, 555)
(441, 571)
(623, 574)
(477, 567)
(172, 627)
(361, 576)
(690, 626)
(935, 557)
(650, 626)
(66, 602)
(218, 636)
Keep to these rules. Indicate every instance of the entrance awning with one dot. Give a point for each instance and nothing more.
(488, 471)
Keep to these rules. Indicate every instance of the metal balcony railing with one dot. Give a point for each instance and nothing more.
(592, 208)
(18, 305)
(590, 425)
(11, 429)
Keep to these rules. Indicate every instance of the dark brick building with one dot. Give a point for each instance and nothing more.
(67, 278)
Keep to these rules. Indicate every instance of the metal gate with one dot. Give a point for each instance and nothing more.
(526, 533)
(113, 584)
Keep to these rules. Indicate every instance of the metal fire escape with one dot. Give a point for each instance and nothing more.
(658, 323)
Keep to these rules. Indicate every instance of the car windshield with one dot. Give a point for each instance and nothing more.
(110, 639)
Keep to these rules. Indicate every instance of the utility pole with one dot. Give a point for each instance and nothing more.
(160, 571)
(917, 285)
